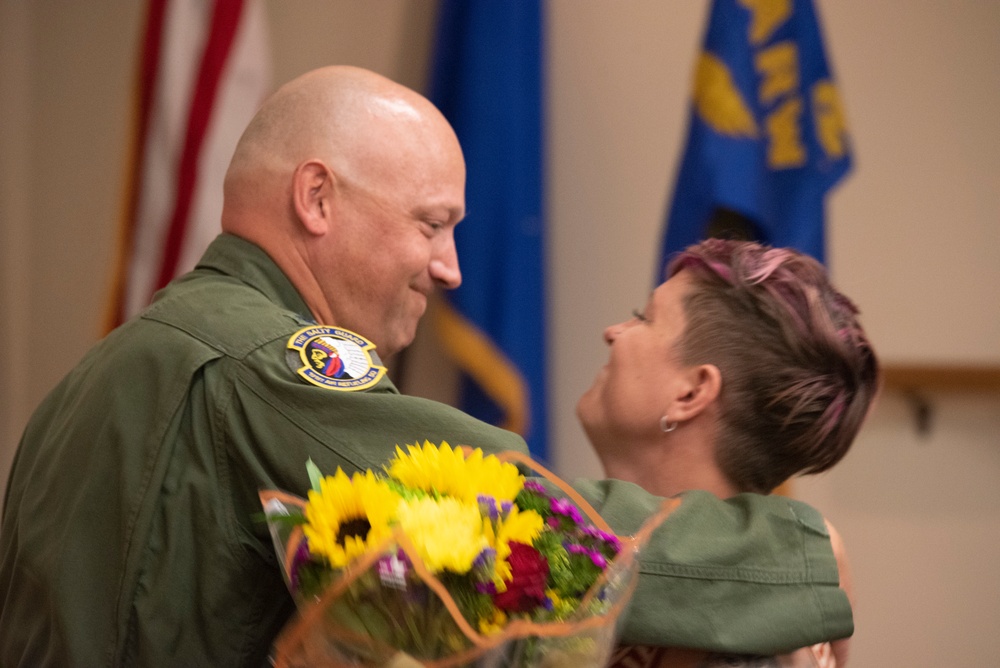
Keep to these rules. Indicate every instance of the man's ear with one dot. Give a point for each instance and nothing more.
(312, 196)
(700, 388)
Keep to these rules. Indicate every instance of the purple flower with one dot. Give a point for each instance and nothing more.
(608, 538)
(485, 558)
(534, 486)
(488, 506)
(486, 588)
(302, 555)
(506, 507)
(595, 555)
(612, 540)
(566, 508)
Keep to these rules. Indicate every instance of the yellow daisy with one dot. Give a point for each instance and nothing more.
(493, 623)
(348, 516)
(447, 533)
(447, 471)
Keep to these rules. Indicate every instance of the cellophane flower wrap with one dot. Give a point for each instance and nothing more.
(450, 558)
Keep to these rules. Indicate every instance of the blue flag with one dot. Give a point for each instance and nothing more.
(487, 80)
(767, 135)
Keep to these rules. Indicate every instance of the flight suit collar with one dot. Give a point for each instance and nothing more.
(246, 261)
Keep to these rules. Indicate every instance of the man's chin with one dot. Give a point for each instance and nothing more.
(402, 340)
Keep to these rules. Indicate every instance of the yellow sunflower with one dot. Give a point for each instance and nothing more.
(447, 533)
(348, 516)
(450, 472)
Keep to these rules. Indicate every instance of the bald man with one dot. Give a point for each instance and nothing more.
(130, 532)
(357, 202)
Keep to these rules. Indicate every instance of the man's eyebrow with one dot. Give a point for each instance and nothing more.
(455, 214)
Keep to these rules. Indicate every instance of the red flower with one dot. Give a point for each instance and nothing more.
(529, 573)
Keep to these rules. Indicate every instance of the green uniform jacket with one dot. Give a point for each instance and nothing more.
(130, 534)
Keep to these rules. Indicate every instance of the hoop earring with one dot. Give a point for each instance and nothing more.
(665, 426)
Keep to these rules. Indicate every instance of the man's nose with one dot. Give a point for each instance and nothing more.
(444, 267)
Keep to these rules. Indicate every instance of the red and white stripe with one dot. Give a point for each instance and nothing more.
(205, 69)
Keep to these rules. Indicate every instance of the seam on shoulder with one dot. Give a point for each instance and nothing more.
(730, 574)
(303, 423)
(222, 465)
(245, 348)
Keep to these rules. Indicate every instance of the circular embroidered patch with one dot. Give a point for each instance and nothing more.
(334, 358)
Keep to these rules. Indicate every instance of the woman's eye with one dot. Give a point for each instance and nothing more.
(638, 315)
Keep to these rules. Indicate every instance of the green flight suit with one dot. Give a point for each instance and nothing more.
(130, 533)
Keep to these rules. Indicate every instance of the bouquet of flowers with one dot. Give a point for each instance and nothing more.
(449, 558)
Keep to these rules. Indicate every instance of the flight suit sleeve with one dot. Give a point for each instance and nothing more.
(752, 574)
(269, 423)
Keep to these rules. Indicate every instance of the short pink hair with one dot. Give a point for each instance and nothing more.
(798, 372)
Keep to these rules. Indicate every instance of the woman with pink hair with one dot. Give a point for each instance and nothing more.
(745, 368)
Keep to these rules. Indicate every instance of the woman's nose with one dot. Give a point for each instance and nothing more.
(611, 333)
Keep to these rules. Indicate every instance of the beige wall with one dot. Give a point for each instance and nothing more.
(915, 234)
(14, 210)
(915, 240)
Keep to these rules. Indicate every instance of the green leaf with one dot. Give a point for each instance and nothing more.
(315, 475)
(292, 519)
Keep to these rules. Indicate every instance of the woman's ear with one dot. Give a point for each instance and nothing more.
(312, 196)
(701, 387)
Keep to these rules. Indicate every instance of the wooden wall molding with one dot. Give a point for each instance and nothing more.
(942, 377)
